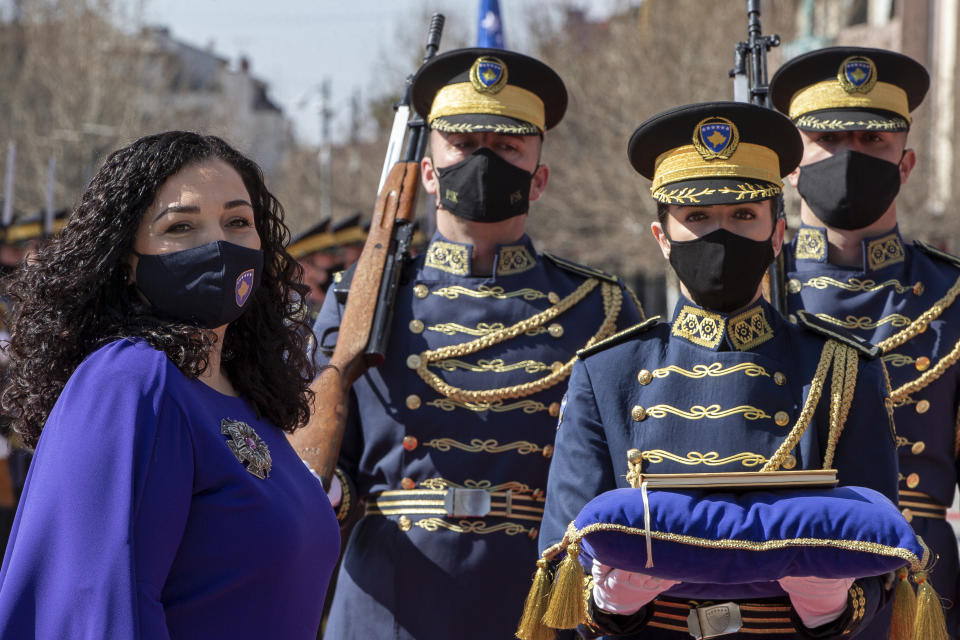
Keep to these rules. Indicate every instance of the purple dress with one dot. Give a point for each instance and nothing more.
(143, 516)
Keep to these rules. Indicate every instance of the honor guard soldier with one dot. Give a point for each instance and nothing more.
(726, 384)
(316, 251)
(449, 441)
(849, 266)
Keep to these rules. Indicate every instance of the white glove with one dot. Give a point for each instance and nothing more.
(624, 592)
(817, 600)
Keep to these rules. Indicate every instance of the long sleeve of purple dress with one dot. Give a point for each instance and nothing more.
(140, 520)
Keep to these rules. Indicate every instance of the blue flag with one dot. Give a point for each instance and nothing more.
(489, 25)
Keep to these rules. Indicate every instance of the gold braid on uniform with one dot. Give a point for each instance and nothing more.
(842, 387)
(612, 301)
(809, 407)
(901, 392)
(919, 325)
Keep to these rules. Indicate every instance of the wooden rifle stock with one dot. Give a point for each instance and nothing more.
(318, 443)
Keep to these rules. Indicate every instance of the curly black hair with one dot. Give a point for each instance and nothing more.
(74, 295)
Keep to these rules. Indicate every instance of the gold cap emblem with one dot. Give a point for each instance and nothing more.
(488, 74)
(857, 74)
(715, 137)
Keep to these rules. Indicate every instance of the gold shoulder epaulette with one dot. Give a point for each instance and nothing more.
(580, 269)
(821, 328)
(937, 253)
(619, 337)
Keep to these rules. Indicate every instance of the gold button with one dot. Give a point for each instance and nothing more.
(404, 523)
(918, 289)
(638, 413)
(532, 534)
(407, 483)
(410, 443)
(554, 409)
(421, 290)
(413, 401)
(907, 515)
(913, 481)
(555, 330)
(779, 379)
(789, 462)
(794, 286)
(548, 451)
(556, 366)
(923, 363)
(792, 318)
(918, 447)
(416, 326)
(782, 418)
(414, 361)
(553, 297)
(923, 406)
(644, 377)
(634, 456)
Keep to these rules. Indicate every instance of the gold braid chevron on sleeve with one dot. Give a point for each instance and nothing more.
(612, 302)
(713, 370)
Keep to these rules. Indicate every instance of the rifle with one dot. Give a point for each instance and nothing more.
(365, 325)
(750, 84)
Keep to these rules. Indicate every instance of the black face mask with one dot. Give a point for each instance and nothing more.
(849, 190)
(721, 270)
(208, 286)
(484, 188)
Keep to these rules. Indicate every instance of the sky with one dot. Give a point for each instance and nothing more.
(295, 44)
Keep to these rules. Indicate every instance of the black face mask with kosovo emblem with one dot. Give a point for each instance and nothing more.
(484, 187)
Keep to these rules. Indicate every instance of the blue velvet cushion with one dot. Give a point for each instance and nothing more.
(736, 545)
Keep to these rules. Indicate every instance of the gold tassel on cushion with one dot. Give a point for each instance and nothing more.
(931, 624)
(567, 609)
(904, 608)
(531, 624)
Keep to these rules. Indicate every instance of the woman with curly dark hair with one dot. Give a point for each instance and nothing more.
(155, 363)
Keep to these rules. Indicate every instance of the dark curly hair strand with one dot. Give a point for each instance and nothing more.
(74, 295)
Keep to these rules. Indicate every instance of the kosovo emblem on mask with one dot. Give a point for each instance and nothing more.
(488, 74)
(715, 137)
(857, 74)
(244, 287)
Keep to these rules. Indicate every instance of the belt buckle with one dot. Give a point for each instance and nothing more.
(714, 620)
(467, 503)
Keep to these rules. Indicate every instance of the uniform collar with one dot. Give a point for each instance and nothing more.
(742, 330)
(456, 258)
(878, 252)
